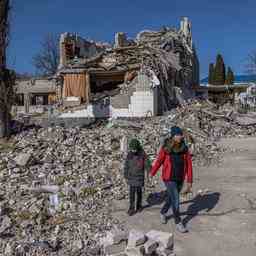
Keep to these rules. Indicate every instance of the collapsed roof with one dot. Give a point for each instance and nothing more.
(169, 53)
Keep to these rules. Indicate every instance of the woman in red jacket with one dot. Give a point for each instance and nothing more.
(177, 167)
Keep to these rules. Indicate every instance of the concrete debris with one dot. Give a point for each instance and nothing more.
(115, 236)
(126, 124)
(45, 189)
(150, 246)
(8, 250)
(22, 159)
(246, 120)
(136, 238)
(115, 249)
(140, 244)
(164, 239)
(5, 224)
(61, 202)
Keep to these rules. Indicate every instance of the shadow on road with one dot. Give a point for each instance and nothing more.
(200, 203)
(156, 198)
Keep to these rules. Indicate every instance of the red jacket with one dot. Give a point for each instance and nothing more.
(164, 159)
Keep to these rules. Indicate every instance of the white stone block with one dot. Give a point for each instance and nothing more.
(114, 236)
(150, 246)
(22, 159)
(115, 249)
(163, 238)
(136, 238)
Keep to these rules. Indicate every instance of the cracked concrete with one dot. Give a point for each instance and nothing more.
(222, 222)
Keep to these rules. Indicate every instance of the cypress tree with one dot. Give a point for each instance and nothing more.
(230, 77)
(219, 71)
(211, 74)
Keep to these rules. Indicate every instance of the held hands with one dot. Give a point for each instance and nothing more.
(150, 180)
(188, 188)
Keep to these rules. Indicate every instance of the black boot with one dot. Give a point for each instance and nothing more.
(131, 211)
(139, 208)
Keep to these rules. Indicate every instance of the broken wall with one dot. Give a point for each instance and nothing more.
(73, 46)
(168, 53)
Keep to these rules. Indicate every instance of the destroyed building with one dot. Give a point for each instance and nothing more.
(221, 94)
(248, 98)
(34, 95)
(145, 76)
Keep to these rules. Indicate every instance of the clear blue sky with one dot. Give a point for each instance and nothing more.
(225, 26)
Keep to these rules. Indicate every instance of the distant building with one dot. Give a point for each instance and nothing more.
(221, 94)
(248, 98)
(34, 95)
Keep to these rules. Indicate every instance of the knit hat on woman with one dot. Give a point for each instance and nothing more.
(175, 130)
(171, 146)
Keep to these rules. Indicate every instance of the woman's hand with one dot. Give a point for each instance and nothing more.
(188, 188)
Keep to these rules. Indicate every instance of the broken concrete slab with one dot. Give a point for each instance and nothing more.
(163, 238)
(126, 124)
(6, 223)
(53, 189)
(136, 238)
(245, 120)
(115, 236)
(150, 246)
(22, 159)
(115, 249)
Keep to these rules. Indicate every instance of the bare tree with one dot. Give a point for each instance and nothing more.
(46, 61)
(7, 77)
(251, 63)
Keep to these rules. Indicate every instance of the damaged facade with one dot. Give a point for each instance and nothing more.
(248, 98)
(144, 76)
(34, 95)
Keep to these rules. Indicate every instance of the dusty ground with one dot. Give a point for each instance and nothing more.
(222, 222)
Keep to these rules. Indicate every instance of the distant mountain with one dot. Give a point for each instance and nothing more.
(238, 79)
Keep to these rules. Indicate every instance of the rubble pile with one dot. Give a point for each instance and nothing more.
(214, 121)
(136, 243)
(57, 184)
(56, 190)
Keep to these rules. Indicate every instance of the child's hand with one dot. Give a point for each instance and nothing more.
(151, 180)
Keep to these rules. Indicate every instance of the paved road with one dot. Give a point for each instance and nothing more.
(222, 222)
